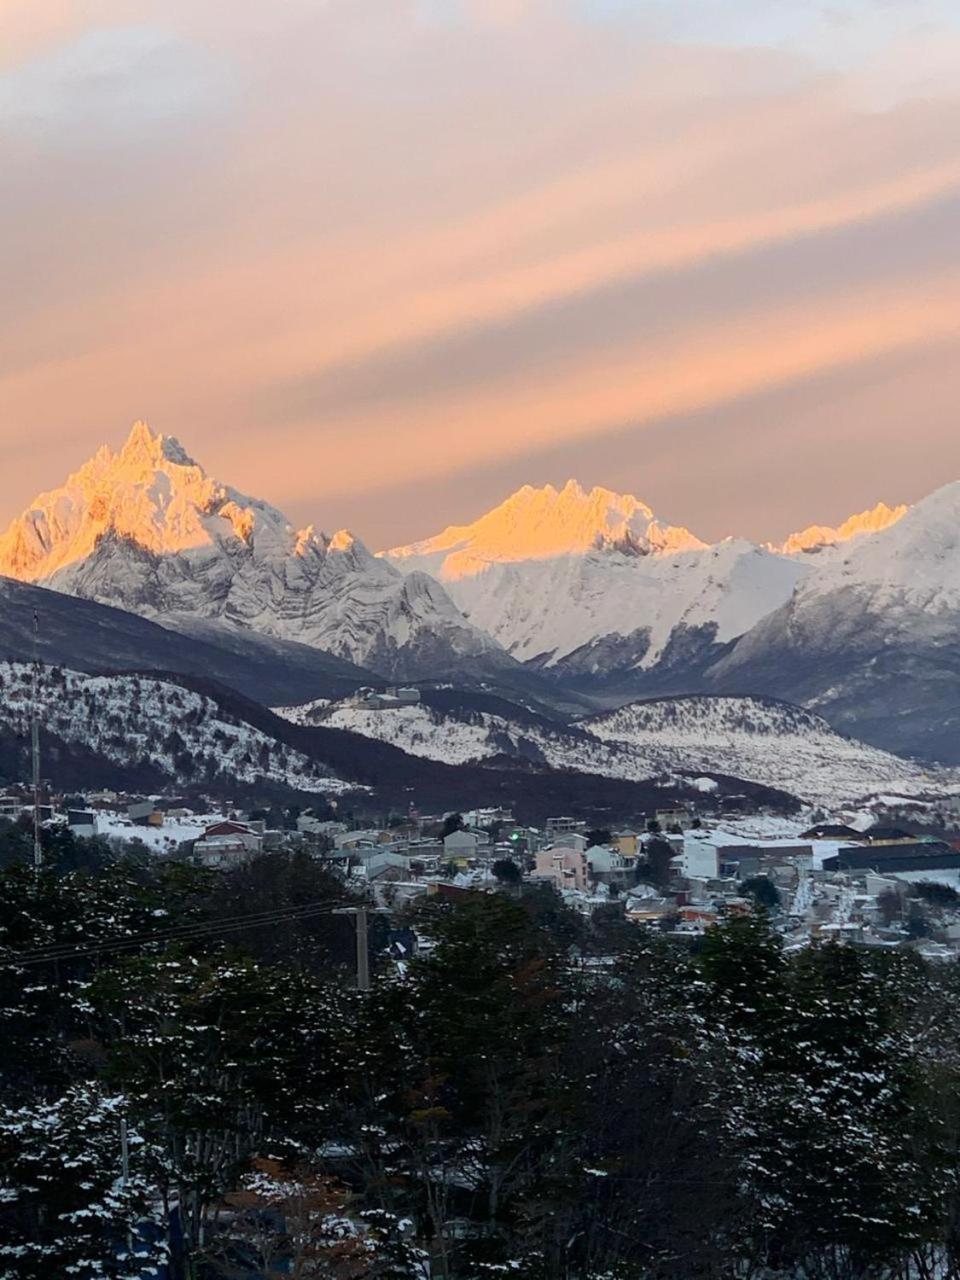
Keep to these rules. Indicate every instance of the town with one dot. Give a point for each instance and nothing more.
(882, 876)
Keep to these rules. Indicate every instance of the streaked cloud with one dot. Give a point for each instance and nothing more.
(362, 247)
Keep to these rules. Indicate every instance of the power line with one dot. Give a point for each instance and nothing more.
(252, 917)
(124, 944)
(184, 933)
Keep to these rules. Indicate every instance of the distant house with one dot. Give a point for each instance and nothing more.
(745, 860)
(369, 836)
(558, 826)
(562, 867)
(831, 831)
(309, 824)
(628, 842)
(11, 807)
(388, 866)
(700, 858)
(650, 909)
(668, 818)
(487, 817)
(144, 813)
(570, 840)
(461, 844)
(82, 822)
(374, 700)
(406, 697)
(602, 859)
(888, 835)
(226, 844)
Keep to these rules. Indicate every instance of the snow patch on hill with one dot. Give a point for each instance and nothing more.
(756, 739)
(133, 719)
(306, 713)
(766, 741)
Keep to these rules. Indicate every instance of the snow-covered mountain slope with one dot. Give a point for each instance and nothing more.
(464, 735)
(148, 531)
(820, 537)
(303, 713)
(586, 583)
(768, 741)
(756, 739)
(94, 638)
(872, 638)
(130, 720)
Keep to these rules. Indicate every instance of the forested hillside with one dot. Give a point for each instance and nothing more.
(497, 1105)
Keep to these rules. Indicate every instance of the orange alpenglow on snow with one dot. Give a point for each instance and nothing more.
(540, 524)
(817, 536)
(151, 492)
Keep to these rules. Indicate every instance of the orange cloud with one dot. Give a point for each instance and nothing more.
(388, 448)
(399, 248)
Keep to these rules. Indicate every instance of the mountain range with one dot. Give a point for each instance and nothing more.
(694, 741)
(860, 622)
(564, 600)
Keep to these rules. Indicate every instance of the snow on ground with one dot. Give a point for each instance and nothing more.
(770, 742)
(136, 719)
(419, 731)
(165, 839)
(756, 739)
(478, 735)
(305, 713)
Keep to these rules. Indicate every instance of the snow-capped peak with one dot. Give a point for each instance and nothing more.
(917, 557)
(150, 493)
(817, 537)
(544, 523)
(147, 447)
(147, 530)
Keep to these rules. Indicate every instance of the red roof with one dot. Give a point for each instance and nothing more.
(228, 828)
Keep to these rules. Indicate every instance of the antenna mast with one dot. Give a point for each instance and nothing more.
(35, 745)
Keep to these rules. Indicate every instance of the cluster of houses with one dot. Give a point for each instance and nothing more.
(882, 885)
(865, 882)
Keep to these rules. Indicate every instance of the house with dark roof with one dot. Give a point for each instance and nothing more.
(888, 835)
(919, 855)
(226, 844)
(831, 831)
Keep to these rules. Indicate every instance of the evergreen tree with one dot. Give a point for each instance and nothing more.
(66, 1207)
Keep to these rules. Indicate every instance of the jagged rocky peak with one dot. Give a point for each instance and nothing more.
(818, 537)
(543, 523)
(150, 493)
(151, 448)
(147, 530)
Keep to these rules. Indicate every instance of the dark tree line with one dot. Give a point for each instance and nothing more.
(532, 1095)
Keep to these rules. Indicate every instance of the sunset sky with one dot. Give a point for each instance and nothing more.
(383, 261)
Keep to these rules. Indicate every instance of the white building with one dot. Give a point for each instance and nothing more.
(461, 844)
(699, 858)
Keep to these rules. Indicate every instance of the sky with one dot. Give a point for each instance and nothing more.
(381, 262)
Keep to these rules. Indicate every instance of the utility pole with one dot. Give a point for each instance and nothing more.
(124, 1151)
(125, 1167)
(35, 745)
(363, 949)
